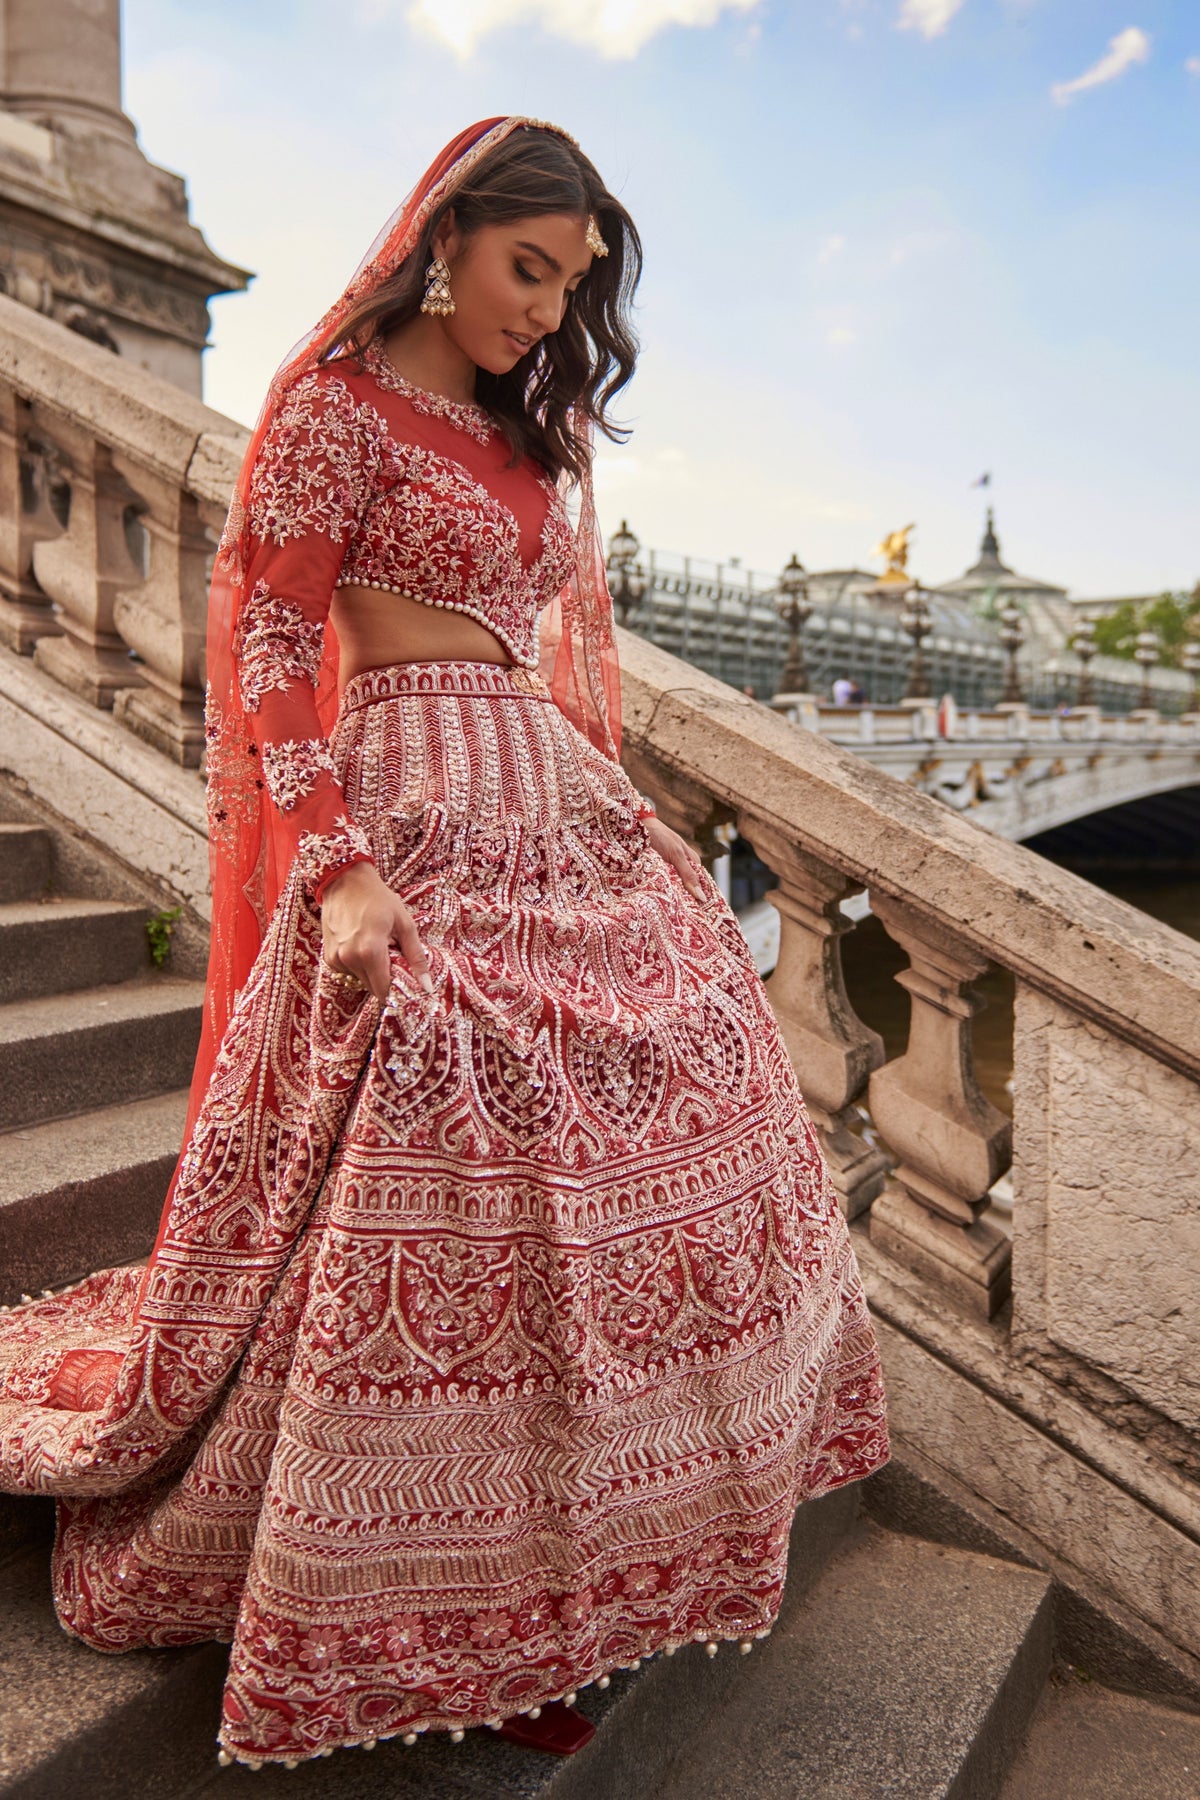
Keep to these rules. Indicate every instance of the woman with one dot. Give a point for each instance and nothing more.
(501, 1312)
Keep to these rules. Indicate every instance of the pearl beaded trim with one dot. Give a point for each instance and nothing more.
(457, 1733)
(458, 606)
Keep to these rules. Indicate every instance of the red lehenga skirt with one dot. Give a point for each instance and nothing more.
(492, 1338)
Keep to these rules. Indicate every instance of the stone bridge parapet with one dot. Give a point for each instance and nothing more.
(1045, 1373)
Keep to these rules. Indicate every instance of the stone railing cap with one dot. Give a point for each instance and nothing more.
(1110, 961)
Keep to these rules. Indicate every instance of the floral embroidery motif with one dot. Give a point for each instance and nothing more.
(439, 536)
(316, 468)
(292, 769)
(319, 852)
(469, 418)
(571, 1199)
(276, 646)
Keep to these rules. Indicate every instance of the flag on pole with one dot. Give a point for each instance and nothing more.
(983, 481)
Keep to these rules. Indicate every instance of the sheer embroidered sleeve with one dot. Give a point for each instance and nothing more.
(311, 481)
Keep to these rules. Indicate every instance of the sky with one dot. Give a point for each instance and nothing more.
(891, 245)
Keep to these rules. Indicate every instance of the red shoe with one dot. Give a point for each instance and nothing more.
(560, 1730)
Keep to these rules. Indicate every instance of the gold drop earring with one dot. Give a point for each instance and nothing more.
(438, 298)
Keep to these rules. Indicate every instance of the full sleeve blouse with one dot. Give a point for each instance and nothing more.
(313, 476)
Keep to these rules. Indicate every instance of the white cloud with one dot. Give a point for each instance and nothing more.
(833, 246)
(929, 17)
(840, 337)
(614, 28)
(1192, 65)
(1128, 47)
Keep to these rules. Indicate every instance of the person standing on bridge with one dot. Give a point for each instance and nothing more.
(502, 1310)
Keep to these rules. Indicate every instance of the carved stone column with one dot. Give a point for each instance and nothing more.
(163, 619)
(83, 569)
(25, 518)
(951, 1141)
(831, 1049)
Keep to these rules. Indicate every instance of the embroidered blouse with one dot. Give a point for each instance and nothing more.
(366, 480)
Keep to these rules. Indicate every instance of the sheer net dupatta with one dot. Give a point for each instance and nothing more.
(251, 850)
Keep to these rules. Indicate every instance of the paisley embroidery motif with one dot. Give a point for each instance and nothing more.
(509, 1324)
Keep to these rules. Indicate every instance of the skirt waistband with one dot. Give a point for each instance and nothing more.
(467, 680)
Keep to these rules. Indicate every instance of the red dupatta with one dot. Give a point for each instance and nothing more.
(249, 850)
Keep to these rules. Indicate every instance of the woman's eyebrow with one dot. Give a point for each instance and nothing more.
(550, 261)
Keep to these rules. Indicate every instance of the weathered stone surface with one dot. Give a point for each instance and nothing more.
(84, 1193)
(24, 861)
(52, 945)
(69, 1053)
(1087, 1743)
(129, 798)
(1077, 1517)
(75, 1723)
(911, 1669)
(1106, 1217)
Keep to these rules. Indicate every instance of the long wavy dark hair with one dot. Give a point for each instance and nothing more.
(589, 359)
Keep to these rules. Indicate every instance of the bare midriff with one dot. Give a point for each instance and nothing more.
(375, 629)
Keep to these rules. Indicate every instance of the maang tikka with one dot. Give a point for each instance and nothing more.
(438, 298)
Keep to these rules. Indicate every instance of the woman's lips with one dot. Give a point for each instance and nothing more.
(522, 343)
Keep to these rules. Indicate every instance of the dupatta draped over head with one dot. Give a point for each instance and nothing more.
(250, 849)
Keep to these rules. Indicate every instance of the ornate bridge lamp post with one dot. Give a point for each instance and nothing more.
(1012, 636)
(795, 607)
(626, 578)
(1146, 654)
(916, 623)
(1084, 645)
(1190, 657)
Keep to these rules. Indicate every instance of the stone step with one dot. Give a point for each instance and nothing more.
(642, 1720)
(72, 1053)
(78, 1725)
(26, 861)
(911, 1669)
(84, 1193)
(55, 945)
(1088, 1743)
(144, 1724)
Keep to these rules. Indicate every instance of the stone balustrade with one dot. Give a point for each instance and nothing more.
(113, 488)
(1043, 1371)
(1045, 1366)
(865, 727)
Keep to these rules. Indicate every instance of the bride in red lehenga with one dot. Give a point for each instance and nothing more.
(501, 1312)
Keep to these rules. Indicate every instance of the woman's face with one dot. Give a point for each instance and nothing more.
(511, 284)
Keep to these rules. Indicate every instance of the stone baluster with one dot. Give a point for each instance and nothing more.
(26, 517)
(84, 569)
(684, 805)
(951, 1142)
(831, 1049)
(162, 618)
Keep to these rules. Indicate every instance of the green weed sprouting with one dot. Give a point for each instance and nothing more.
(159, 927)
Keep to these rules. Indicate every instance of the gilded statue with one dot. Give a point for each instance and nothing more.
(894, 549)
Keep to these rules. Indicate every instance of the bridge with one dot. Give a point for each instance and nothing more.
(1041, 1364)
(1017, 771)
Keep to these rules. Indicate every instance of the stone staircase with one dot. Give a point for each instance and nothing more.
(96, 1047)
(900, 1666)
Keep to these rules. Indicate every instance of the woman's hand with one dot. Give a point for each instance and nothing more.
(673, 849)
(361, 918)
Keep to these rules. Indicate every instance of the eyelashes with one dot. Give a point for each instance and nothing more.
(535, 281)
